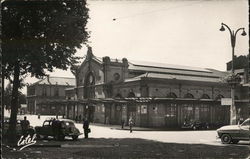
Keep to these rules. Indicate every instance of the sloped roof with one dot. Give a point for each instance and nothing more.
(177, 77)
(164, 65)
(173, 69)
(169, 71)
(66, 81)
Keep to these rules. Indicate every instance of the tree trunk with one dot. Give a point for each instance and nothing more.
(12, 134)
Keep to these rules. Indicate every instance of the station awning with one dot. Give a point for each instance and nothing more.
(126, 100)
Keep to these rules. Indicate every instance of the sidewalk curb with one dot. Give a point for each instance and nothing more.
(135, 129)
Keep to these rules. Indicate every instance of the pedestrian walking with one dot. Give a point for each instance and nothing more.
(123, 122)
(130, 122)
(80, 118)
(25, 126)
(86, 128)
(76, 118)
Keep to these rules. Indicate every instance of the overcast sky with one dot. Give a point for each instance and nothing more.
(174, 32)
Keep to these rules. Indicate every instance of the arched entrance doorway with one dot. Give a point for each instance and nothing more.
(171, 111)
(131, 108)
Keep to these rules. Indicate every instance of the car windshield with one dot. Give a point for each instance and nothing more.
(246, 123)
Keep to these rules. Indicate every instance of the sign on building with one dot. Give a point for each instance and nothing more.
(226, 101)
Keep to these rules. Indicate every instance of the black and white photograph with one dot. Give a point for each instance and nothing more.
(109, 79)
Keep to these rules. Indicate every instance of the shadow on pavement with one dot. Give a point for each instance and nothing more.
(128, 148)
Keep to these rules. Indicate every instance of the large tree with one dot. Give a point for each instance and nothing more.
(38, 36)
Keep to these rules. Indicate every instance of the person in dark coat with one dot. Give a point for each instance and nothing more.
(123, 122)
(25, 126)
(54, 126)
(86, 127)
(80, 118)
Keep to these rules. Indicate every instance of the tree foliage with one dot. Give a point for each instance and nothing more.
(42, 35)
(7, 97)
(240, 62)
(38, 36)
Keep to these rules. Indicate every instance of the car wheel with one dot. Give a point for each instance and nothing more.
(56, 137)
(61, 137)
(74, 137)
(31, 132)
(226, 139)
(235, 141)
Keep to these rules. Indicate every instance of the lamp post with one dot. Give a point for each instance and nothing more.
(233, 80)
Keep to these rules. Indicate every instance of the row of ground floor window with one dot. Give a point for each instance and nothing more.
(148, 114)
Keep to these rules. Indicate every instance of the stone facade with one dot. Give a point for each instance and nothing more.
(154, 95)
(43, 96)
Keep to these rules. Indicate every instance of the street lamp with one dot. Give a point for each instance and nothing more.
(234, 80)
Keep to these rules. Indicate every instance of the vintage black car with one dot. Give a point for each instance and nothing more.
(58, 129)
(234, 133)
(195, 125)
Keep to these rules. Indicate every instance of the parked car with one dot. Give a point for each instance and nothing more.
(234, 133)
(195, 125)
(63, 128)
(30, 130)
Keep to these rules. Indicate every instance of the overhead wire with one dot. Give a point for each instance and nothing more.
(154, 11)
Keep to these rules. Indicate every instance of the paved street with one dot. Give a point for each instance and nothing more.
(109, 131)
(108, 141)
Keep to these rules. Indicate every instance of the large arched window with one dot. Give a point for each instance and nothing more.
(188, 95)
(205, 96)
(131, 95)
(171, 95)
(218, 97)
(89, 86)
(118, 95)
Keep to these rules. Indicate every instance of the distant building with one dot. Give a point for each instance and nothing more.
(154, 94)
(48, 90)
(23, 109)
